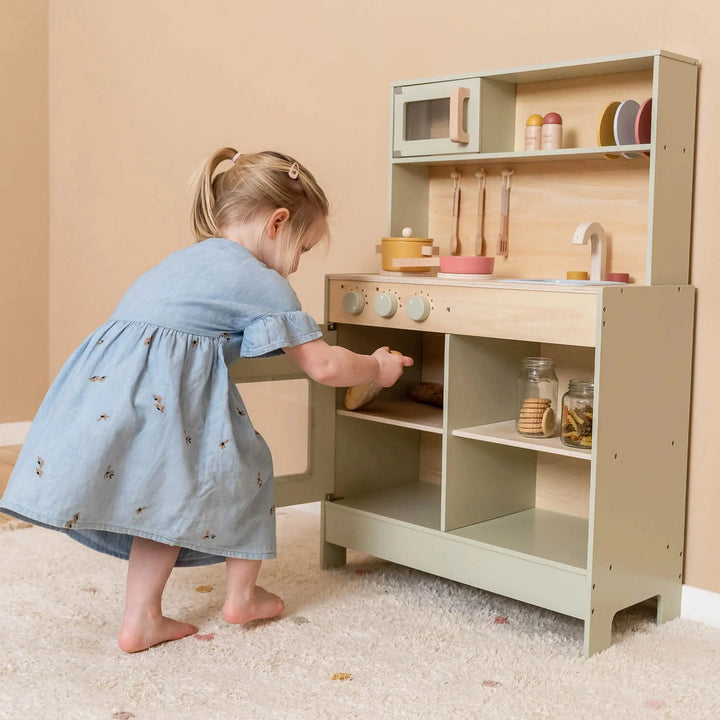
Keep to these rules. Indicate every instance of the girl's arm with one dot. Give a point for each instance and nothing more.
(339, 367)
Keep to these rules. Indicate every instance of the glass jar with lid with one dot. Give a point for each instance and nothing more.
(537, 391)
(577, 414)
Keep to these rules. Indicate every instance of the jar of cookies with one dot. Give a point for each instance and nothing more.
(577, 414)
(537, 391)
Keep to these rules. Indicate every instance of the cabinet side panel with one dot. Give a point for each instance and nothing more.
(671, 172)
(642, 398)
(408, 200)
(497, 115)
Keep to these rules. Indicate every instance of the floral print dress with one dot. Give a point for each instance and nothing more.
(143, 433)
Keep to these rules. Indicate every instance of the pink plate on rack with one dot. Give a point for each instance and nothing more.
(643, 123)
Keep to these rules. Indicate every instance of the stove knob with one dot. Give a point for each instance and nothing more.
(386, 305)
(418, 308)
(353, 302)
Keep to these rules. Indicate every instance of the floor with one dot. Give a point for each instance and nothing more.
(8, 456)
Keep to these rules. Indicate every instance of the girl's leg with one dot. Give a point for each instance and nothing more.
(143, 623)
(245, 600)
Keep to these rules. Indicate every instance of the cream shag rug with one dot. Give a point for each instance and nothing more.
(371, 640)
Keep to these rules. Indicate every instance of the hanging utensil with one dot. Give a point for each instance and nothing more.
(455, 175)
(480, 229)
(503, 240)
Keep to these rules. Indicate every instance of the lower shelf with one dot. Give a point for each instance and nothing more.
(504, 433)
(534, 556)
(403, 413)
(557, 538)
(415, 504)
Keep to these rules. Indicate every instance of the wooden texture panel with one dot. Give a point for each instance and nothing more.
(535, 313)
(580, 101)
(562, 485)
(547, 202)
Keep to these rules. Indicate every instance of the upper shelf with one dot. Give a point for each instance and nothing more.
(593, 153)
(632, 62)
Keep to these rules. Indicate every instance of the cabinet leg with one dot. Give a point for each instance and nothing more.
(598, 632)
(668, 606)
(332, 556)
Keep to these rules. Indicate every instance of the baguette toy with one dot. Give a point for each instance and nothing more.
(358, 396)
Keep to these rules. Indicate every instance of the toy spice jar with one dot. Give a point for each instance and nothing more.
(533, 132)
(552, 131)
(577, 414)
(537, 388)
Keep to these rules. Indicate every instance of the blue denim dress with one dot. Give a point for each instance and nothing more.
(143, 433)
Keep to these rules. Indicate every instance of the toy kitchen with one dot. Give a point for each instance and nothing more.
(536, 266)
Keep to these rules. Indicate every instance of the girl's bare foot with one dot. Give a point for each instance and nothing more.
(261, 605)
(142, 633)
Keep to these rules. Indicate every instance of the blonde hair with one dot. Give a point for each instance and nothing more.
(253, 188)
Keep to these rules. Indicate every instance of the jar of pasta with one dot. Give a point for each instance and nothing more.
(577, 414)
(537, 391)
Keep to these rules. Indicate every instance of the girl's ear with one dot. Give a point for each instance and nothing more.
(276, 220)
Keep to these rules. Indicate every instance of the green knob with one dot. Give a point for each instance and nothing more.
(353, 302)
(386, 305)
(418, 308)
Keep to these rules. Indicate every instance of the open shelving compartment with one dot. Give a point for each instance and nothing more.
(405, 470)
(646, 200)
(388, 454)
(499, 491)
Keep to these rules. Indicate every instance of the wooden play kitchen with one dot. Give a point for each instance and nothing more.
(586, 528)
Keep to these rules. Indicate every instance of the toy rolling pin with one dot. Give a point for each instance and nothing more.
(358, 396)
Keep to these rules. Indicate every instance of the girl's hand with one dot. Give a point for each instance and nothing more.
(390, 365)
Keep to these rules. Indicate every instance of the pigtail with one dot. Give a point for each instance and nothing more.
(203, 208)
(249, 190)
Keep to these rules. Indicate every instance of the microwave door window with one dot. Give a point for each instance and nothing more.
(427, 119)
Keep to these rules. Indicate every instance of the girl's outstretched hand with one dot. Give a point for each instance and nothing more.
(390, 365)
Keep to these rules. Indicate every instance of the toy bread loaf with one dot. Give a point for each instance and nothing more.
(430, 393)
(358, 396)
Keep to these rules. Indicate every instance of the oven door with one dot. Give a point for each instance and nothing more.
(296, 417)
(436, 118)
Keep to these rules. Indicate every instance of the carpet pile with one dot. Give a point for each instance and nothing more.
(370, 640)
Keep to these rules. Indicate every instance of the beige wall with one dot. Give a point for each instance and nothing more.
(23, 207)
(141, 91)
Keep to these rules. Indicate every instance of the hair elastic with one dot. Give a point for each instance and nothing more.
(236, 156)
(294, 171)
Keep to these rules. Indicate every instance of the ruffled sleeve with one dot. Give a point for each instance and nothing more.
(269, 334)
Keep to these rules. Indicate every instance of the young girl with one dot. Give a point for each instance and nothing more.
(143, 448)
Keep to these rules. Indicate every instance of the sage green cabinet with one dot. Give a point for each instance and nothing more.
(455, 491)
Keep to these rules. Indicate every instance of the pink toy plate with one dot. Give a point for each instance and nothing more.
(467, 264)
(643, 123)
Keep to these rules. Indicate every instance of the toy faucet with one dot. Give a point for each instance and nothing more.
(595, 233)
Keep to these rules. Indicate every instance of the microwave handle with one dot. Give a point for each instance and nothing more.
(458, 95)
